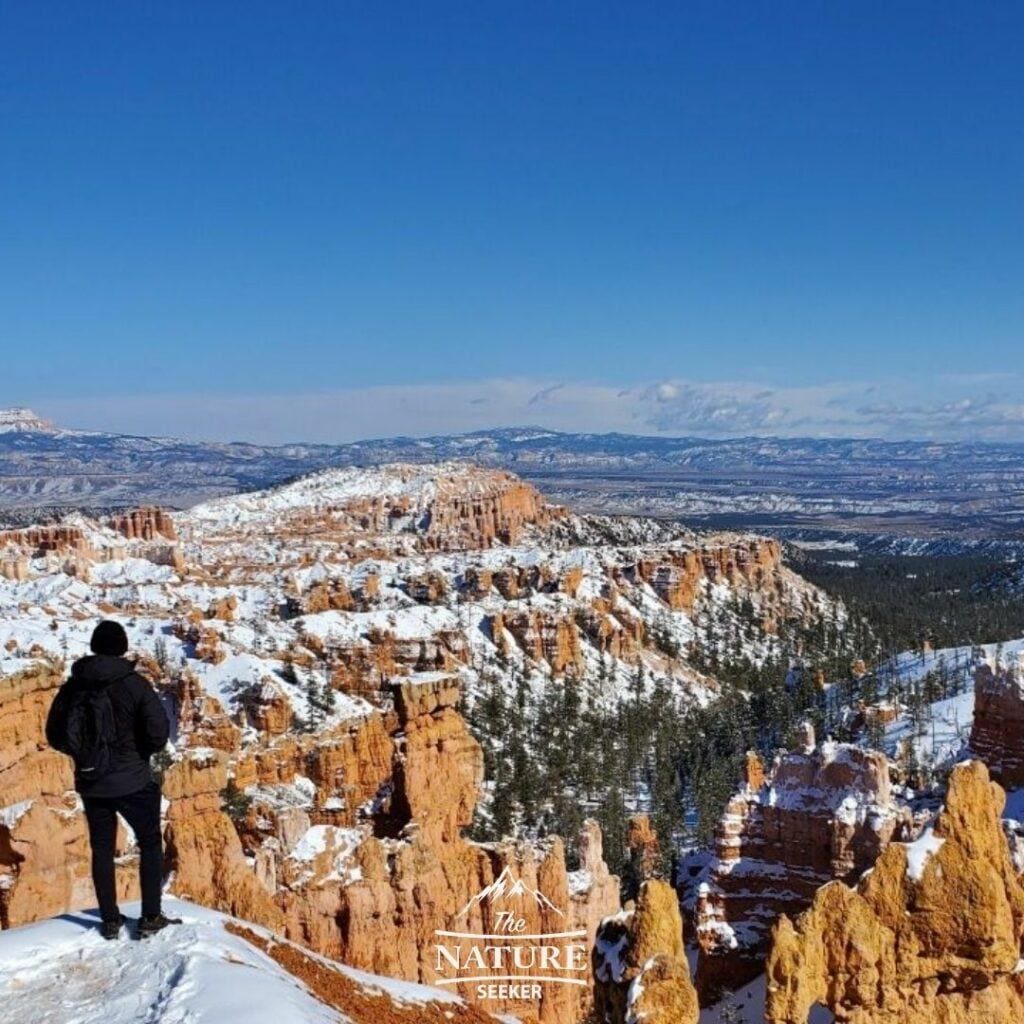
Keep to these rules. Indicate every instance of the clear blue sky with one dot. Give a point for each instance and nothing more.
(260, 199)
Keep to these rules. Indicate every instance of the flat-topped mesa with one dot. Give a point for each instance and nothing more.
(997, 733)
(20, 420)
(822, 812)
(639, 960)
(932, 934)
(383, 512)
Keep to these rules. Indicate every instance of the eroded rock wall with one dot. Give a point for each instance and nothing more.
(932, 934)
(640, 963)
(823, 811)
(997, 732)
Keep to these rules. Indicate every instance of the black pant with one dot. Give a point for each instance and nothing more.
(141, 810)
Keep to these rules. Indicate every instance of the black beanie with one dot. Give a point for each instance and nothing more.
(110, 638)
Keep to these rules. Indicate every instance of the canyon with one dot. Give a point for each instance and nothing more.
(320, 648)
(315, 646)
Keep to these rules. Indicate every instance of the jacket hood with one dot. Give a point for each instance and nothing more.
(98, 670)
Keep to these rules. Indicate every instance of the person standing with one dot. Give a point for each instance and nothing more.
(109, 720)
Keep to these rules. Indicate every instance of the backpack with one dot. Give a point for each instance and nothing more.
(90, 732)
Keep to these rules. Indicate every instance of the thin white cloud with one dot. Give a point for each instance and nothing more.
(978, 407)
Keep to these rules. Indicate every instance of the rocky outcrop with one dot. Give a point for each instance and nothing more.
(371, 864)
(203, 848)
(611, 629)
(645, 861)
(498, 512)
(640, 967)
(932, 934)
(677, 577)
(147, 523)
(823, 812)
(542, 635)
(416, 874)
(41, 540)
(997, 733)
(15, 566)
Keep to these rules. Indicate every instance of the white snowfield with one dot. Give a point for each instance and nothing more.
(62, 972)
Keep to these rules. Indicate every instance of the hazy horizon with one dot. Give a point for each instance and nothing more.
(239, 414)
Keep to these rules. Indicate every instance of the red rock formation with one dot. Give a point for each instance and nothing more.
(223, 608)
(381, 655)
(543, 636)
(431, 588)
(640, 965)
(146, 523)
(418, 874)
(498, 513)
(611, 630)
(932, 934)
(644, 848)
(997, 733)
(332, 595)
(202, 845)
(477, 582)
(462, 510)
(822, 813)
(41, 540)
(14, 566)
(570, 581)
(201, 720)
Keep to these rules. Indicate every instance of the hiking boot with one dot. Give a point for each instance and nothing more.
(112, 929)
(151, 925)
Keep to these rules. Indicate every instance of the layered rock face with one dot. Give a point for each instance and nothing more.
(823, 812)
(81, 541)
(678, 578)
(495, 511)
(997, 733)
(640, 967)
(933, 933)
(147, 523)
(40, 540)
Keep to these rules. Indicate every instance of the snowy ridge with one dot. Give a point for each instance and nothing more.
(60, 971)
(22, 420)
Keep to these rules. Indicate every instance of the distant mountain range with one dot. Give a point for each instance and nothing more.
(922, 494)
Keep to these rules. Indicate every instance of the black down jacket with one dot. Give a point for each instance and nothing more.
(140, 723)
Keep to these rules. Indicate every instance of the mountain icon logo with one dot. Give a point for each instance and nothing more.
(507, 887)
